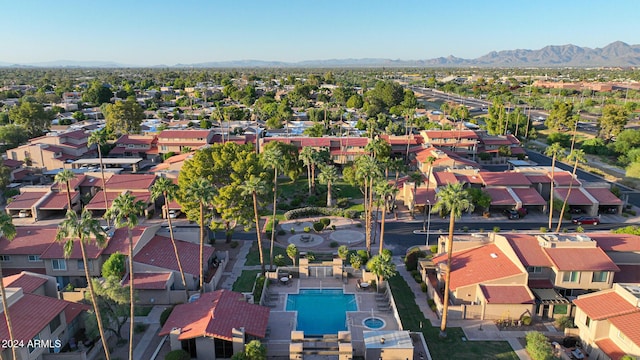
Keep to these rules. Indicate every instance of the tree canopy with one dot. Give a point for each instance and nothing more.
(123, 117)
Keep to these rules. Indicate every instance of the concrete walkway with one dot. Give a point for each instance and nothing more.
(234, 273)
(153, 322)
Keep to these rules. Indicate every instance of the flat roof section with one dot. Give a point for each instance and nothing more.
(108, 161)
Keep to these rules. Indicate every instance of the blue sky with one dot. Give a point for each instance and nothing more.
(142, 32)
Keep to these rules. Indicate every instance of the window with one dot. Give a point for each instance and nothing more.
(55, 323)
(5, 258)
(35, 340)
(534, 269)
(59, 264)
(571, 276)
(587, 321)
(81, 265)
(34, 258)
(600, 276)
(621, 335)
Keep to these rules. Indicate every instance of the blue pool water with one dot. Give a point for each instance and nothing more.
(323, 311)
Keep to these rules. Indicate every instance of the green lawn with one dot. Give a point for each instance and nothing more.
(253, 258)
(451, 347)
(245, 281)
(344, 190)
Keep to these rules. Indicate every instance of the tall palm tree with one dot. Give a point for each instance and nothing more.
(417, 179)
(368, 172)
(8, 230)
(202, 192)
(453, 199)
(86, 230)
(329, 176)
(384, 191)
(577, 156)
(255, 186)
(308, 157)
(64, 177)
(164, 187)
(99, 138)
(553, 150)
(274, 158)
(430, 160)
(124, 211)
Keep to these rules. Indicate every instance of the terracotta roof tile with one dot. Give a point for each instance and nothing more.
(604, 196)
(505, 179)
(610, 348)
(528, 250)
(73, 310)
(506, 294)
(148, 281)
(56, 251)
(58, 201)
(529, 196)
(450, 134)
(575, 198)
(91, 181)
(184, 134)
(500, 196)
(444, 177)
(26, 200)
(74, 184)
(25, 325)
(28, 283)
(216, 314)
(543, 179)
(10, 163)
(616, 242)
(564, 178)
(629, 325)
(477, 265)
(29, 240)
(119, 242)
(604, 304)
(580, 259)
(97, 202)
(159, 252)
(120, 182)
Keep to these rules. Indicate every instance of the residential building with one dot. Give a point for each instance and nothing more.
(52, 151)
(136, 146)
(176, 141)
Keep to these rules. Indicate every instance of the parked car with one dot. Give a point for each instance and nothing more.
(511, 214)
(24, 213)
(587, 220)
(174, 213)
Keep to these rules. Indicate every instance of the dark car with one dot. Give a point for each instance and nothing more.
(511, 214)
(587, 220)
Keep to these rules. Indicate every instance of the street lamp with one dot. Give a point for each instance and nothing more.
(428, 221)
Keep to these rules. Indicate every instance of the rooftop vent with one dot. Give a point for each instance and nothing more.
(493, 255)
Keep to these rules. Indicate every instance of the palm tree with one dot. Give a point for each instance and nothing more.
(577, 156)
(85, 229)
(328, 175)
(8, 230)
(417, 179)
(124, 211)
(64, 177)
(430, 160)
(202, 192)
(274, 157)
(553, 150)
(384, 191)
(368, 172)
(166, 188)
(308, 157)
(99, 138)
(453, 199)
(255, 186)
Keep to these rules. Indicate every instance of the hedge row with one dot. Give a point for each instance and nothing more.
(315, 211)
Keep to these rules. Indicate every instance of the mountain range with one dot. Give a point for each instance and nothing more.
(616, 54)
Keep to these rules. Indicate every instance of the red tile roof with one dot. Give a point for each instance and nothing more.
(421, 196)
(629, 325)
(29, 240)
(10, 163)
(148, 281)
(539, 284)
(216, 314)
(529, 196)
(136, 140)
(91, 181)
(73, 184)
(543, 179)
(604, 304)
(26, 200)
(616, 242)
(184, 134)
(58, 200)
(528, 250)
(604, 196)
(445, 177)
(575, 198)
(159, 252)
(56, 251)
(507, 294)
(475, 266)
(25, 324)
(500, 196)
(120, 182)
(564, 178)
(77, 134)
(610, 348)
(450, 134)
(119, 242)
(97, 202)
(28, 283)
(73, 310)
(580, 259)
(504, 179)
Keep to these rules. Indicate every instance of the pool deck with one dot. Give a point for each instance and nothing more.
(282, 322)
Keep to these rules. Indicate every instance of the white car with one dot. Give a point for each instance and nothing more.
(174, 213)
(24, 213)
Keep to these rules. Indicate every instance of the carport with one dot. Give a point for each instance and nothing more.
(530, 198)
(578, 199)
(501, 198)
(607, 202)
(26, 201)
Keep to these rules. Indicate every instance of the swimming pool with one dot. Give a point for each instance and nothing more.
(321, 312)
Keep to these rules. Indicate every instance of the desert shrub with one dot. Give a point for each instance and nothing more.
(417, 278)
(496, 229)
(307, 229)
(526, 320)
(538, 346)
(343, 203)
(178, 355)
(333, 227)
(165, 315)
(334, 244)
(279, 260)
(564, 322)
(411, 260)
(269, 225)
(543, 229)
(325, 221)
(318, 226)
(434, 249)
(423, 287)
(293, 231)
(579, 229)
(465, 229)
(316, 210)
(432, 305)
